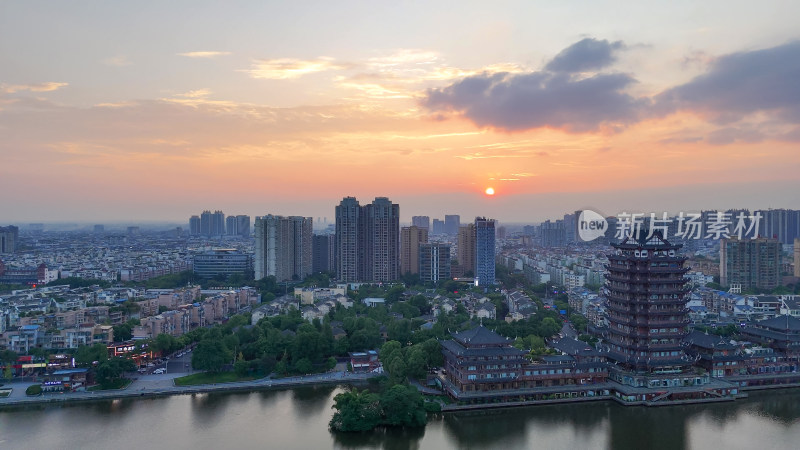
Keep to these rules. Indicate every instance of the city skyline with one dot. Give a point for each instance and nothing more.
(287, 108)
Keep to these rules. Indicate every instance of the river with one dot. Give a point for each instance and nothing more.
(297, 419)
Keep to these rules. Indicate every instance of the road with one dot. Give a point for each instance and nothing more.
(162, 384)
(568, 331)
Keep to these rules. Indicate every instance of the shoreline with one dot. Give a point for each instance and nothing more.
(335, 378)
(130, 392)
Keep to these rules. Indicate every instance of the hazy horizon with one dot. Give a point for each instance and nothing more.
(111, 111)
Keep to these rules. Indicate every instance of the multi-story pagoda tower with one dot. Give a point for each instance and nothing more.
(647, 312)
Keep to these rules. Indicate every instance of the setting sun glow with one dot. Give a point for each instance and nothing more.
(489, 191)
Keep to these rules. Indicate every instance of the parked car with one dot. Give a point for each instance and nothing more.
(159, 371)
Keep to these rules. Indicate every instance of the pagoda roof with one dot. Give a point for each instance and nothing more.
(657, 240)
(709, 341)
(784, 323)
(480, 335)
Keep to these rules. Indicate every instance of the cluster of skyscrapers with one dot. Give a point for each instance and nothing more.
(370, 246)
(367, 240)
(215, 224)
(448, 226)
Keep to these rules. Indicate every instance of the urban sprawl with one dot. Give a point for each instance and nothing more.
(486, 314)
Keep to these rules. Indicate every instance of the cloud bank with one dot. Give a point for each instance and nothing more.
(750, 95)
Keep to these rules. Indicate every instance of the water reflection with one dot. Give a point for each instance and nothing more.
(312, 401)
(384, 438)
(207, 409)
(299, 419)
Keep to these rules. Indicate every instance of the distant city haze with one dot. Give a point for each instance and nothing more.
(111, 113)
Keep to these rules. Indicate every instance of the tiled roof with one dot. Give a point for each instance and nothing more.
(480, 336)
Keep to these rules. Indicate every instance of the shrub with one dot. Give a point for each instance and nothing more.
(35, 389)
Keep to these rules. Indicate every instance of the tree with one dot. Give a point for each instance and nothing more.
(579, 322)
(548, 327)
(8, 372)
(210, 355)
(356, 411)
(403, 406)
(164, 343)
(122, 332)
(389, 351)
(8, 356)
(110, 371)
(304, 366)
(416, 362)
(330, 363)
(88, 354)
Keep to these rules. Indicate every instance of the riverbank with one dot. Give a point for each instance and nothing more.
(159, 387)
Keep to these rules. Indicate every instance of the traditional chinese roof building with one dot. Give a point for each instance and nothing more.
(647, 312)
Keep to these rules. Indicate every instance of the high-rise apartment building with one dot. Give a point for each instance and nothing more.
(438, 227)
(368, 240)
(243, 225)
(217, 224)
(421, 222)
(552, 234)
(434, 262)
(231, 226)
(283, 247)
(466, 249)
(451, 224)
(410, 240)
(781, 224)
(9, 239)
(750, 263)
(212, 224)
(205, 223)
(194, 226)
(797, 257)
(323, 249)
(647, 313)
(484, 251)
(349, 241)
(383, 240)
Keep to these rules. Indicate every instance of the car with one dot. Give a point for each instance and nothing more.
(159, 371)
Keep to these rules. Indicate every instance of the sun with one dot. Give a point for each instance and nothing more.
(489, 191)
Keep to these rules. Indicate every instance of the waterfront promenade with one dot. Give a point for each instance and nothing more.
(160, 385)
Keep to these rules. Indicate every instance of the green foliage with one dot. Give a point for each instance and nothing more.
(399, 405)
(8, 372)
(414, 361)
(108, 372)
(356, 411)
(8, 356)
(578, 322)
(304, 366)
(210, 377)
(588, 338)
(165, 343)
(33, 390)
(433, 407)
(123, 332)
(330, 363)
(725, 331)
(210, 355)
(241, 367)
(87, 354)
(403, 406)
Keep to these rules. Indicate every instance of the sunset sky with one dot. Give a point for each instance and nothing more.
(154, 110)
